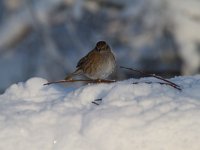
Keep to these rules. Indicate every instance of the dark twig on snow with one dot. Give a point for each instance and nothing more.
(152, 82)
(167, 82)
(96, 100)
(88, 81)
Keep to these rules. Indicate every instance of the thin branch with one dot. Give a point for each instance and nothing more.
(152, 75)
(96, 100)
(155, 76)
(99, 99)
(93, 102)
(88, 81)
(160, 83)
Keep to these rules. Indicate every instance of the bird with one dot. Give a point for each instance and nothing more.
(98, 64)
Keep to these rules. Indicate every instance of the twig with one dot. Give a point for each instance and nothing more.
(95, 101)
(155, 76)
(166, 83)
(89, 81)
(151, 83)
(152, 75)
(158, 83)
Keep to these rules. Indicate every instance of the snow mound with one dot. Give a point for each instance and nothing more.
(130, 116)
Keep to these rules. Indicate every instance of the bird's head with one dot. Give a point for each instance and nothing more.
(102, 46)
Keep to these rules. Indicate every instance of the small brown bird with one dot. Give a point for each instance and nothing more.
(97, 64)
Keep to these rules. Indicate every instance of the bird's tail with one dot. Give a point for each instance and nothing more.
(77, 72)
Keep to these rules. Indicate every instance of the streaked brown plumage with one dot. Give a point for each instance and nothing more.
(97, 64)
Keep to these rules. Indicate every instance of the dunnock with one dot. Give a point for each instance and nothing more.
(97, 64)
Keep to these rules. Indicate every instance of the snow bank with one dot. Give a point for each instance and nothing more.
(130, 117)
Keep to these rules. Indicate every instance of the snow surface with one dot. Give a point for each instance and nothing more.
(130, 116)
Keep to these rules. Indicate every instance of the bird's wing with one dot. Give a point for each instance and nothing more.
(84, 59)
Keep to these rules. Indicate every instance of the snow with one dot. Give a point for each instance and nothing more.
(185, 14)
(130, 116)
